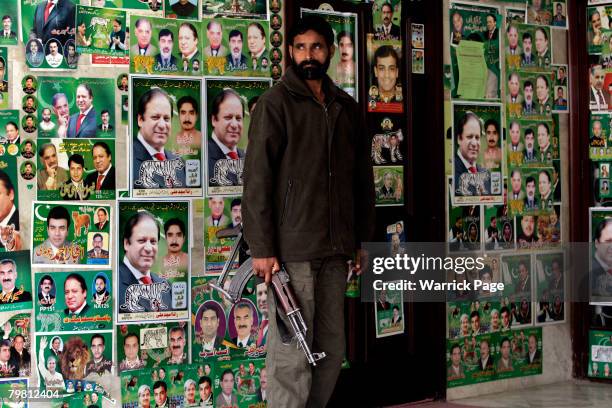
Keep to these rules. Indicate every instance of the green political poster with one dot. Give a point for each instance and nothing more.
(220, 213)
(9, 10)
(4, 78)
(16, 281)
(182, 9)
(74, 301)
(154, 240)
(475, 51)
(49, 34)
(238, 8)
(241, 381)
(71, 234)
(84, 169)
(101, 31)
(62, 99)
(600, 354)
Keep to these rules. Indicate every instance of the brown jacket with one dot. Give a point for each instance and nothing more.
(308, 182)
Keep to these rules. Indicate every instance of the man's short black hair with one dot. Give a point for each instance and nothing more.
(345, 33)
(205, 379)
(188, 99)
(385, 51)
(46, 277)
(314, 23)
(235, 202)
(529, 179)
(127, 336)
(79, 279)
(235, 33)
(102, 145)
(252, 102)
(135, 219)
(492, 122)
(164, 32)
(76, 158)
(97, 235)
(174, 221)
(526, 36)
(97, 336)
(528, 84)
(600, 227)
(59, 213)
(475, 314)
(227, 371)
(104, 111)
(160, 384)
(206, 308)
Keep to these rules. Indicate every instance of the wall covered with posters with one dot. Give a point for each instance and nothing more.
(506, 105)
(81, 90)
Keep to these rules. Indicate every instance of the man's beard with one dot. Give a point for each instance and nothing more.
(316, 70)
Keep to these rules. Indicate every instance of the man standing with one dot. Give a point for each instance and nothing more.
(83, 123)
(284, 187)
(56, 249)
(174, 229)
(143, 34)
(227, 116)
(140, 243)
(104, 176)
(188, 110)
(154, 121)
(100, 364)
(75, 295)
(214, 33)
(256, 41)
(236, 60)
(165, 61)
(8, 280)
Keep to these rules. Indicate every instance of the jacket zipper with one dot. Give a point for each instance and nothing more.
(329, 182)
(286, 205)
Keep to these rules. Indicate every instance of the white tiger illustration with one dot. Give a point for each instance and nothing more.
(152, 293)
(228, 172)
(51, 322)
(152, 339)
(166, 169)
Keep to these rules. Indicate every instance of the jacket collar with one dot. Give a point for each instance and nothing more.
(296, 85)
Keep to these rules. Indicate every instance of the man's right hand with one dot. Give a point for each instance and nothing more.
(266, 267)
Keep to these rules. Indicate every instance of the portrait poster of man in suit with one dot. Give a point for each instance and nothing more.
(90, 167)
(234, 47)
(9, 13)
(146, 288)
(166, 159)
(228, 121)
(72, 296)
(45, 20)
(61, 232)
(71, 107)
(15, 285)
(386, 16)
(473, 181)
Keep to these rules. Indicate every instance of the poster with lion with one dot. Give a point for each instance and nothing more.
(71, 234)
(74, 362)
